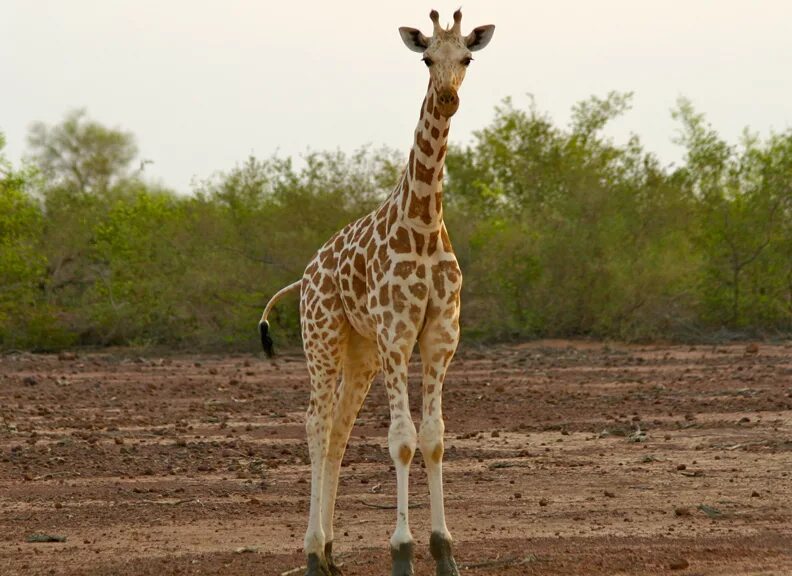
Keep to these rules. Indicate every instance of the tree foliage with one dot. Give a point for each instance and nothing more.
(560, 232)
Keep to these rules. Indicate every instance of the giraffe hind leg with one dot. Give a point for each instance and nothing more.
(324, 354)
(361, 364)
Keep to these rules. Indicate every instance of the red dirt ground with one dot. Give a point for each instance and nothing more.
(197, 464)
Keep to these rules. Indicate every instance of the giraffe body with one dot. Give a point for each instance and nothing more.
(382, 284)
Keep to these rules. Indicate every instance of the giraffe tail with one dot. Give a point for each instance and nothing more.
(266, 340)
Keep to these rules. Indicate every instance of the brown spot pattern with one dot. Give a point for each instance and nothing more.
(404, 269)
(400, 241)
(425, 146)
(419, 207)
(423, 173)
(419, 241)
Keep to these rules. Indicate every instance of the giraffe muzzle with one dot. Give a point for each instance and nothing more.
(447, 102)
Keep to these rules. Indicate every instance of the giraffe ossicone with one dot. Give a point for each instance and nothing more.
(382, 284)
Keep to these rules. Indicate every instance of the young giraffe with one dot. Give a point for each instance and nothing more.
(383, 283)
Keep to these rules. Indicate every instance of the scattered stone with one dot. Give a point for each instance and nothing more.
(755, 494)
(679, 564)
(67, 356)
(29, 381)
(544, 502)
(681, 467)
(638, 436)
(752, 348)
(682, 511)
(36, 538)
(517, 495)
(609, 494)
(495, 434)
(710, 511)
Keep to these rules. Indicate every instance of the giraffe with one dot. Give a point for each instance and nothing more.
(376, 288)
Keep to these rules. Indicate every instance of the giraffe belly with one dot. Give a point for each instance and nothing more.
(358, 316)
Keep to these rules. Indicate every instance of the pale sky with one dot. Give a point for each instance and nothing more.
(203, 84)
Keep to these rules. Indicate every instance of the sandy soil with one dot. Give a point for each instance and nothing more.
(562, 458)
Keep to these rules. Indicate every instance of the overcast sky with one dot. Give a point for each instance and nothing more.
(203, 84)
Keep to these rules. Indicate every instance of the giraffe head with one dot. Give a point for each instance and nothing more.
(447, 54)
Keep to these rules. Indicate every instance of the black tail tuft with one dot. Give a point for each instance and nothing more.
(266, 341)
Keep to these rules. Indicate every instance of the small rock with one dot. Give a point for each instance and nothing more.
(544, 502)
(755, 494)
(710, 511)
(679, 564)
(609, 494)
(495, 434)
(682, 511)
(29, 381)
(638, 436)
(33, 538)
(681, 467)
(752, 348)
(517, 495)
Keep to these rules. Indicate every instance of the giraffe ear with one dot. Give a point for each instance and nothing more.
(413, 39)
(480, 37)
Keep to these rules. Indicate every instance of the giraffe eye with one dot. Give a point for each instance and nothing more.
(466, 60)
(428, 61)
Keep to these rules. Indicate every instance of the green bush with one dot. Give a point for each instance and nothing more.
(560, 232)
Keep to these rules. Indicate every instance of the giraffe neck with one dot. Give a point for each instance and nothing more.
(421, 193)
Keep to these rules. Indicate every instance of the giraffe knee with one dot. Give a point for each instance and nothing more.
(431, 440)
(405, 454)
(437, 453)
(402, 442)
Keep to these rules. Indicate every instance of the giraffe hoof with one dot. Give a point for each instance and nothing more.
(440, 547)
(317, 566)
(331, 565)
(401, 559)
(447, 567)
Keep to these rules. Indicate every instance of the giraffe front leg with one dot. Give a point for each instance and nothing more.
(437, 344)
(402, 441)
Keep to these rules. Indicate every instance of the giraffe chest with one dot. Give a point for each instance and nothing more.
(394, 282)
